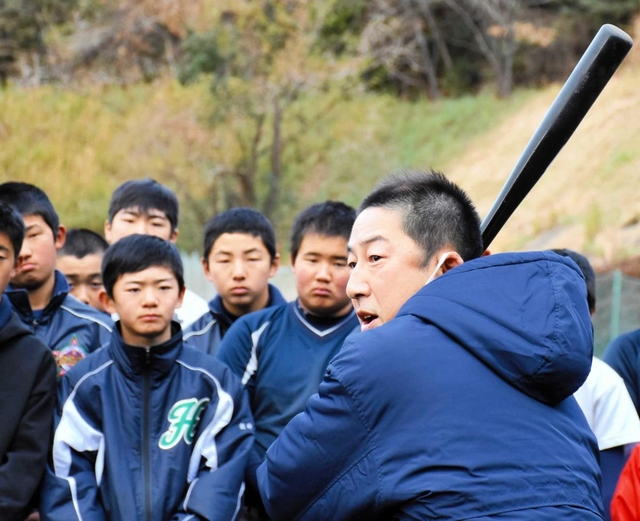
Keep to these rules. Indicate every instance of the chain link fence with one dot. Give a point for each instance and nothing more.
(617, 307)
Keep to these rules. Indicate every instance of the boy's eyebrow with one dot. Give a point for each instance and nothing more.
(151, 212)
(4, 248)
(32, 226)
(155, 281)
(318, 254)
(250, 250)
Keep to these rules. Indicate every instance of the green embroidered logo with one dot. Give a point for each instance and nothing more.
(183, 420)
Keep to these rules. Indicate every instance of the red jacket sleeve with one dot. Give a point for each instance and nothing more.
(625, 505)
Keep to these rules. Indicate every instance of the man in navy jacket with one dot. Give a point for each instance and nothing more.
(455, 400)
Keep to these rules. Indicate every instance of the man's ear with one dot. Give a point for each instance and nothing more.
(107, 302)
(275, 264)
(60, 237)
(452, 261)
(174, 236)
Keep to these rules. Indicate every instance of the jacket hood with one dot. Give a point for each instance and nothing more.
(525, 315)
(11, 327)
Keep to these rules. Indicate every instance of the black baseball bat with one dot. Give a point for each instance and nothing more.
(586, 82)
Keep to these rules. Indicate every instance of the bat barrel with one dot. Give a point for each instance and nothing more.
(582, 88)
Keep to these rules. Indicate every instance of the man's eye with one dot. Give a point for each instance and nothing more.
(96, 285)
(375, 258)
(351, 265)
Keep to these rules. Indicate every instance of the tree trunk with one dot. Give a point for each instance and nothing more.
(276, 164)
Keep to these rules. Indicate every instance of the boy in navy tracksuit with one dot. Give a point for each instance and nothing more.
(39, 293)
(27, 388)
(281, 353)
(239, 259)
(147, 428)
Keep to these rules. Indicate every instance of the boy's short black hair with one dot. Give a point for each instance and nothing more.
(28, 199)
(81, 242)
(240, 220)
(435, 212)
(137, 252)
(12, 225)
(587, 271)
(145, 194)
(331, 218)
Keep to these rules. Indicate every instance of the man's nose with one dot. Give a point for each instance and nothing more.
(357, 285)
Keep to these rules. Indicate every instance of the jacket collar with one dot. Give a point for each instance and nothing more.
(159, 359)
(20, 298)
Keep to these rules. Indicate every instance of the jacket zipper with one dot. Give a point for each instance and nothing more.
(146, 442)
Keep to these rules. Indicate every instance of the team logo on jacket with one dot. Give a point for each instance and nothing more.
(69, 356)
(183, 418)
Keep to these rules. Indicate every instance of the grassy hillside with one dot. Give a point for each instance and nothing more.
(79, 145)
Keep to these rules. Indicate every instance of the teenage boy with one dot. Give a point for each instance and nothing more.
(79, 260)
(147, 428)
(281, 353)
(454, 402)
(145, 206)
(27, 388)
(239, 259)
(39, 293)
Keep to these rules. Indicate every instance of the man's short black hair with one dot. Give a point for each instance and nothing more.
(331, 218)
(81, 242)
(137, 252)
(28, 199)
(435, 212)
(145, 195)
(587, 271)
(240, 220)
(12, 225)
